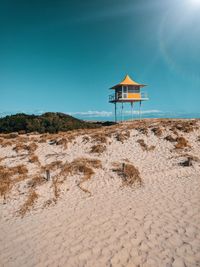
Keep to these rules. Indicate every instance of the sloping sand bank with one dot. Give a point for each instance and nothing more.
(102, 220)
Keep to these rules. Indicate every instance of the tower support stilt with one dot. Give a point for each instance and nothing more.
(140, 110)
(122, 107)
(131, 110)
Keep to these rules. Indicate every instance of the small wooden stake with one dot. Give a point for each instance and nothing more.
(48, 175)
(123, 167)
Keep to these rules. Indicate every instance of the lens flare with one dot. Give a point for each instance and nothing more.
(169, 40)
(195, 2)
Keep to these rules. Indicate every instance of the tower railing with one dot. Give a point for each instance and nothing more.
(120, 96)
(144, 95)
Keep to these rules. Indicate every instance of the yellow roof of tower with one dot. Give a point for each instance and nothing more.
(128, 81)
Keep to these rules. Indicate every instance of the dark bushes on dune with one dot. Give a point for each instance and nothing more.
(48, 122)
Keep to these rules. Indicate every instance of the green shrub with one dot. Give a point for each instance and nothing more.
(47, 122)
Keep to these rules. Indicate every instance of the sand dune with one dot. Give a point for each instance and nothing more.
(125, 195)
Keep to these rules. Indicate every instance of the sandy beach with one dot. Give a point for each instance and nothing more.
(124, 195)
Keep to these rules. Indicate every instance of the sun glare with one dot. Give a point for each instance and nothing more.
(195, 2)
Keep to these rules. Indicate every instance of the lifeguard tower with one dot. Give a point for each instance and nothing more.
(128, 91)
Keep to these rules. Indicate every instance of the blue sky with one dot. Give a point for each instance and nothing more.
(64, 55)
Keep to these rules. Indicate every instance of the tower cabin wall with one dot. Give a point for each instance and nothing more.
(128, 92)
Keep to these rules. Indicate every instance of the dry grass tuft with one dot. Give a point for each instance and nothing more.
(98, 149)
(62, 142)
(143, 130)
(78, 165)
(81, 166)
(181, 143)
(72, 136)
(87, 171)
(53, 165)
(144, 146)
(34, 159)
(32, 147)
(8, 178)
(20, 169)
(170, 138)
(157, 131)
(123, 136)
(85, 139)
(45, 136)
(95, 163)
(42, 140)
(55, 182)
(6, 143)
(182, 126)
(21, 146)
(32, 197)
(48, 203)
(99, 138)
(5, 181)
(85, 190)
(13, 135)
(36, 181)
(185, 126)
(174, 130)
(9, 136)
(129, 173)
(1, 159)
(23, 139)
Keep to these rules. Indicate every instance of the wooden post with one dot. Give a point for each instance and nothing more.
(123, 167)
(48, 175)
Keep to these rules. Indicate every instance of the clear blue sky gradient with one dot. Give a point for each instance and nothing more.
(64, 55)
